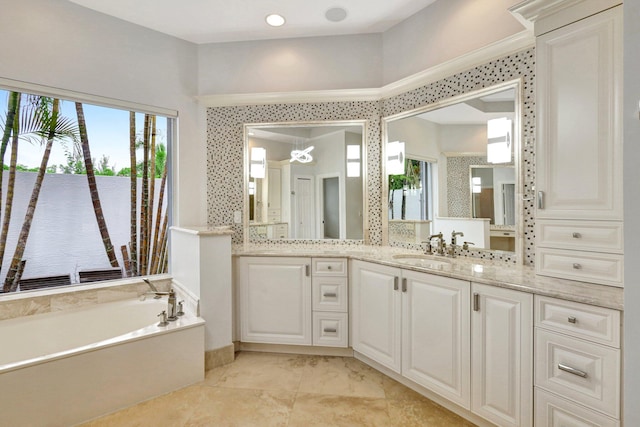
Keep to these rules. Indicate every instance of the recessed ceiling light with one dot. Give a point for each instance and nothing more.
(275, 20)
(336, 14)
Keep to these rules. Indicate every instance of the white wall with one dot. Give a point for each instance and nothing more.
(62, 45)
(631, 212)
(312, 63)
(444, 31)
(421, 137)
(463, 138)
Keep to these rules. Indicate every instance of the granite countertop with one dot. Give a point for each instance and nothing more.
(496, 273)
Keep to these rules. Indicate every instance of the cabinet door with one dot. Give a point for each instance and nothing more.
(579, 143)
(435, 334)
(275, 300)
(375, 309)
(501, 354)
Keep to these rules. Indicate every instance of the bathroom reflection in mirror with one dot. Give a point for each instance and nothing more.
(311, 184)
(448, 183)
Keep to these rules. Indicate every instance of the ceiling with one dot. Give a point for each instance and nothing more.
(475, 111)
(214, 21)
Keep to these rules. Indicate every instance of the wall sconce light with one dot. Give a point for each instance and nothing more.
(499, 140)
(395, 158)
(258, 162)
(476, 184)
(353, 161)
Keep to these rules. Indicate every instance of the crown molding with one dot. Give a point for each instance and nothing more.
(515, 43)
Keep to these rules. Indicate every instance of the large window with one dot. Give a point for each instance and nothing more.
(85, 194)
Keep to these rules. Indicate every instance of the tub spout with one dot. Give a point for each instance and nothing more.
(157, 293)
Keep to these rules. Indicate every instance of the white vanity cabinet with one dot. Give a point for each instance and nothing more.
(502, 355)
(294, 300)
(330, 302)
(376, 305)
(579, 141)
(422, 326)
(275, 300)
(577, 360)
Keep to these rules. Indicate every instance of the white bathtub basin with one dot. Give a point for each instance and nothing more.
(426, 261)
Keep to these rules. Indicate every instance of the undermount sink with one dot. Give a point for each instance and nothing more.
(426, 261)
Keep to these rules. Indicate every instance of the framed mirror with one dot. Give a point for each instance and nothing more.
(305, 181)
(450, 179)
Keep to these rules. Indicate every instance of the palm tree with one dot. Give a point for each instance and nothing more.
(134, 195)
(14, 131)
(93, 188)
(44, 122)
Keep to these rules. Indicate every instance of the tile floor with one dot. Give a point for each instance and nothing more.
(263, 389)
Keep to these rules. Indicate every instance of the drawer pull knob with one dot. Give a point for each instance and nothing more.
(571, 370)
(334, 330)
(577, 266)
(572, 319)
(576, 235)
(330, 295)
(328, 267)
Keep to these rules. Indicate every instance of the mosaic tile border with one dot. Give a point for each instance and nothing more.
(225, 154)
(518, 65)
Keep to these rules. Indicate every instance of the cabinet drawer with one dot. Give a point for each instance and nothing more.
(330, 329)
(554, 411)
(502, 233)
(584, 372)
(329, 267)
(329, 293)
(604, 269)
(597, 324)
(582, 235)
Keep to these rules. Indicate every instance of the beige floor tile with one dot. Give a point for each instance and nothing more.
(263, 371)
(422, 413)
(342, 376)
(393, 390)
(206, 406)
(264, 389)
(312, 410)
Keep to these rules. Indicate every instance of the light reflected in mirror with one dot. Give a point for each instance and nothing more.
(448, 184)
(311, 182)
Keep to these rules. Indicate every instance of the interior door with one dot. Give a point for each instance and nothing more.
(331, 207)
(304, 218)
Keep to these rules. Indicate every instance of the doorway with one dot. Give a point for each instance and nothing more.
(304, 207)
(331, 207)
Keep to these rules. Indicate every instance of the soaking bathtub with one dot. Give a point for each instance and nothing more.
(63, 368)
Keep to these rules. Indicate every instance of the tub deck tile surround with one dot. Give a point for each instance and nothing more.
(20, 304)
(267, 389)
(495, 273)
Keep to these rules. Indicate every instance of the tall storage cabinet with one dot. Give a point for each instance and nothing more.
(579, 234)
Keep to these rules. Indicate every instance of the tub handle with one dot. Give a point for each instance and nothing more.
(180, 309)
(163, 322)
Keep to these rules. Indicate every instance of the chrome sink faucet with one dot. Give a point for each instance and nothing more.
(440, 246)
(454, 245)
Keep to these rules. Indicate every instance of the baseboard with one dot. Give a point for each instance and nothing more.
(296, 349)
(219, 357)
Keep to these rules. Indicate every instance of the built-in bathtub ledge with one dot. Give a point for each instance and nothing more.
(64, 298)
(205, 230)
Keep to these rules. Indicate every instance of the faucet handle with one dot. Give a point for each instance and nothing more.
(163, 322)
(465, 246)
(428, 250)
(180, 309)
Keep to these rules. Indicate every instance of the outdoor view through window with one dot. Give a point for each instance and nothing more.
(84, 193)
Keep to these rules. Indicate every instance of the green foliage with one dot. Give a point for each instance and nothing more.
(103, 167)
(410, 179)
